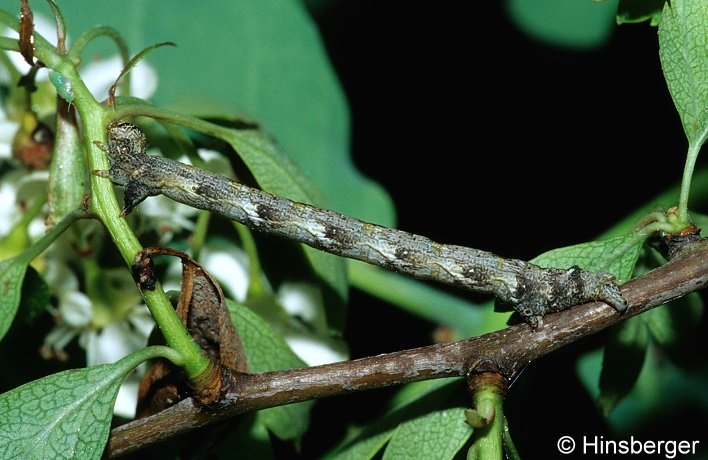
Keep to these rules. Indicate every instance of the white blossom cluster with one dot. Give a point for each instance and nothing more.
(100, 306)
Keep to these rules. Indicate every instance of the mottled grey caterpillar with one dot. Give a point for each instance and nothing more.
(531, 290)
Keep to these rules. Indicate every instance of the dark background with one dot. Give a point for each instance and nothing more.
(487, 138)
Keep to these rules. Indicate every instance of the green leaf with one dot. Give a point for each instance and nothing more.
(267, 351)
(428, 402)
(683, 34)
(466, 318)
(13, 270)
(64, 415)
(662, 390)
(663, 200)
(634, 11)
(701, 220)
(674, 327)
(584, 25)
(277, 174)
(436, 435)
(272, 65)
(622, 361)
(67, 183)
(250, 439)
(12, 274)
(35, 296)
(617, 255)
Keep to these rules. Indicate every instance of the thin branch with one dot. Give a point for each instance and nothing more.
(505, 352)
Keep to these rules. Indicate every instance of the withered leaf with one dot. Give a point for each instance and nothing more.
(202, 308)
(26, 32)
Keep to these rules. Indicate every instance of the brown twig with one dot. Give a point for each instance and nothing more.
(507, 350)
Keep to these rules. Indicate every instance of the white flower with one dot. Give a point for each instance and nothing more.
(225, 261)
(43, 27)
(8, 128)
(116, 340)
(308, 334)
(109, 319)
(169, 217)
(99, 76)
(107, 332)
(10, 204)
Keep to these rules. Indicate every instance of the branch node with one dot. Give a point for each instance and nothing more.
(488, 390)
(483, 381)
(206, 387)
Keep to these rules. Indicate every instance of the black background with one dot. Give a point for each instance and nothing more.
(487, 138)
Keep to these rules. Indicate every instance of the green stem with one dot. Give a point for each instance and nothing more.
(488, 442)
(256, 288)
(61, 26)
(10, 20)
(487, 418)
(32, 212)
(102, 31)
(104, 205)
(698, 196)
(32, 252)
(467, 318)
(131, 109)
(200, 233)
(509, 447)
(9, 44)
(153, 352)
(92, 34)
(686, 182)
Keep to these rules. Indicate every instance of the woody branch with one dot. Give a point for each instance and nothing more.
(504, 352)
